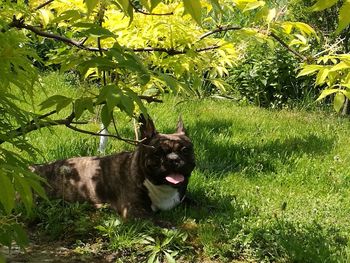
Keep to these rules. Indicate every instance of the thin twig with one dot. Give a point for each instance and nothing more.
(150, 99)
(19, 23)
(169, 51)
(284, 44)
(220, 29)
(330, 48)
(43, 5)
(138, 10)
(133, 142)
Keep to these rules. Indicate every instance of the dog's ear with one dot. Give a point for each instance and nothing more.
(147, 129)
(180, 126)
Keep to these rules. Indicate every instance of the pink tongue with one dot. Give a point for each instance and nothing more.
(175, 178)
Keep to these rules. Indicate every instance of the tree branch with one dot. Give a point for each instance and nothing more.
(150, 99)
(133, 142)
(19, 23)
(36, 125)
(285, 45)
(138, 10)
(219, 29)
(43, 5)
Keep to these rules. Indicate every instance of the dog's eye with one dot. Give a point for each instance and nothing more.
(186, 150)
(158, 153)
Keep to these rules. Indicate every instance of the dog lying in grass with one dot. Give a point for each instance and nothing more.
(153, 177)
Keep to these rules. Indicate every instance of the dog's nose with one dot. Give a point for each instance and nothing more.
(174, 159)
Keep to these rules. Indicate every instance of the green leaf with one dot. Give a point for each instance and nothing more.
(91, 4)
(81, 105)
(339, 100)
(154, 4)
(323, 4)
(170, 81)
(7, 193)
(124, 4)
(63, 104)
(127, 105)
(169, 258)
(309, 69)
(37, 187)
(146, 4)
(106, 116)
(102, 63)
(321, 76)
(45, 17)
(194, 8)
(23, 189)
(20, 235)
(253, 5)
(152, 257)
(59, 100)
(219, 84)
(67, 15)
(5, 236)
(340, 66)
(326, 93)
(271, 15)
(130, 61)
(216, 4)
(128, 10)
(136, 99)
(305, 28)
(346, 92)
(344, 17)
(97, 31)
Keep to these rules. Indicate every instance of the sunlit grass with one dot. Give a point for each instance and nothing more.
(268, 186)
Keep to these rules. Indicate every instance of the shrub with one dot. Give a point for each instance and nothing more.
(268, 78)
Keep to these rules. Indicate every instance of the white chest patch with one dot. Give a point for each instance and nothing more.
(163, 197)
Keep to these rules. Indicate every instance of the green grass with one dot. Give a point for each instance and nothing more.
(270, 186)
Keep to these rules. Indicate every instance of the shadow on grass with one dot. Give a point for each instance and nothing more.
(227, 230)
(295, 242)
(217, 152)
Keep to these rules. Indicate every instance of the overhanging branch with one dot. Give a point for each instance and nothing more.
(285, 45)
(43, 5)
(19, 23)
(134, 142)
(220, 29)
(138, 10)
(40, 122)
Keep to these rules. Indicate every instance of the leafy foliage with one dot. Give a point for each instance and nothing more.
(343, 18)
(17, 77)
(332, 71)
(268, 78)
(132, 49)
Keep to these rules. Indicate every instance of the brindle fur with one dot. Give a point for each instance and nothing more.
(118, 179)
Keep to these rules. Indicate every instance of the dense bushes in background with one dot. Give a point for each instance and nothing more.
(268, 78)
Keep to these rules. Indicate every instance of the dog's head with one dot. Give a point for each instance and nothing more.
(166, 158)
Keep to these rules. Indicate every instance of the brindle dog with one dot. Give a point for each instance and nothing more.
(153, 177)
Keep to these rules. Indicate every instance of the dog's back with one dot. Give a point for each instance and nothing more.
(94, 179)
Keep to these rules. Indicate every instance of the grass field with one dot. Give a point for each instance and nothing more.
(270, 186)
